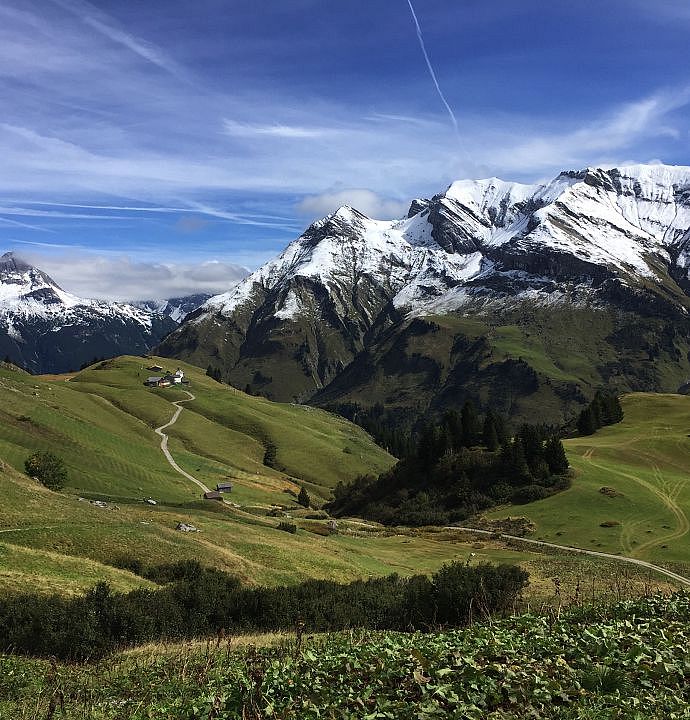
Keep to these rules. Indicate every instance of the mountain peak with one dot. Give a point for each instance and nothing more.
(14, 270)
(10, 262)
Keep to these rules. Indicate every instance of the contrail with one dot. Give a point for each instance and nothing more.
(431, 68)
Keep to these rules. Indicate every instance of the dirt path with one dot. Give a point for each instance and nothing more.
(621, 558)
(164, 443)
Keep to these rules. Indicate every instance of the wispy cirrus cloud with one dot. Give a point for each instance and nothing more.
(277, 130)
(602, 140)
(105, 24)
(17, 223)
(117, 126)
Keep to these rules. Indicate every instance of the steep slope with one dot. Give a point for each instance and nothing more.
(552, 288)
(45, 329)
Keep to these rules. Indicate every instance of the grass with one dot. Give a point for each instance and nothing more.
(101, 421)
(645, 459)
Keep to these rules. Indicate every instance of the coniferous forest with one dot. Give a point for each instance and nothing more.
(458, 467)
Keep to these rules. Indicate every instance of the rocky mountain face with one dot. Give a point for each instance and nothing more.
(521, 296)
(45, 329)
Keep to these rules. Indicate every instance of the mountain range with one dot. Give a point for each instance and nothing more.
(521, 297)
(43, 328)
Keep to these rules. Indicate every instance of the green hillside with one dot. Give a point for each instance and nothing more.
(102, 422)
(643, 465)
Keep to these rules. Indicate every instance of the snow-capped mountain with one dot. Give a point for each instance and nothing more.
(176, 308)
(46, 329)
(613, 240)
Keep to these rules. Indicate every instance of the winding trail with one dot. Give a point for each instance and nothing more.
(622, 558)
(164, 442)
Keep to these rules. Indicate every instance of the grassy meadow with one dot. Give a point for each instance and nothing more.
(643, 463)
(101, 422)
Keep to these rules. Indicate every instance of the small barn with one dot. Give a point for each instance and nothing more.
(156, 381)
(155, 368)
(213, 495)
(224, 487)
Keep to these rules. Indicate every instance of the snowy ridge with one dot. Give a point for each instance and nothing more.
(481, 235)
(26, 292)
(43, 328)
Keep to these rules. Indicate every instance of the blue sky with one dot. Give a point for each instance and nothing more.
(152, 148)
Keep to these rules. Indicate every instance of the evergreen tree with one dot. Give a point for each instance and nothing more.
(453, 426)
(303, 498)
(489, 432)
(214, 372)
(586, 423)
(554, 454)
(531, 439)
(513, 464)
(471, 427)
(428, 446)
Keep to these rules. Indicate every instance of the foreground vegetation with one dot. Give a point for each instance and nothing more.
(628, 661)
(197, 602)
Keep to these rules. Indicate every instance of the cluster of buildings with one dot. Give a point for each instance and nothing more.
(165, 380)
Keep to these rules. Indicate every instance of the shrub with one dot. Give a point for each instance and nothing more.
(48, 469)
(529, 493)
(288, 527)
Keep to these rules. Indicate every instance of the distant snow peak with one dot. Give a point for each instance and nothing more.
(47, 329)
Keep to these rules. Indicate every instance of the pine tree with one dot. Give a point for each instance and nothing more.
(554, 454)
(453, 426)
(489, 433)
(586, 423)
(471, 427)
(531, 442)
(427, 446)
(303, 498)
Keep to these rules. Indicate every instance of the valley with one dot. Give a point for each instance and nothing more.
(102, 421)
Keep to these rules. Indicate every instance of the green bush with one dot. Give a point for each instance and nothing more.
(197, 601)
(48, 469)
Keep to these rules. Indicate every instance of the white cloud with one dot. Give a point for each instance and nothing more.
(277, 130)
(365, 201)
(120, 278)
